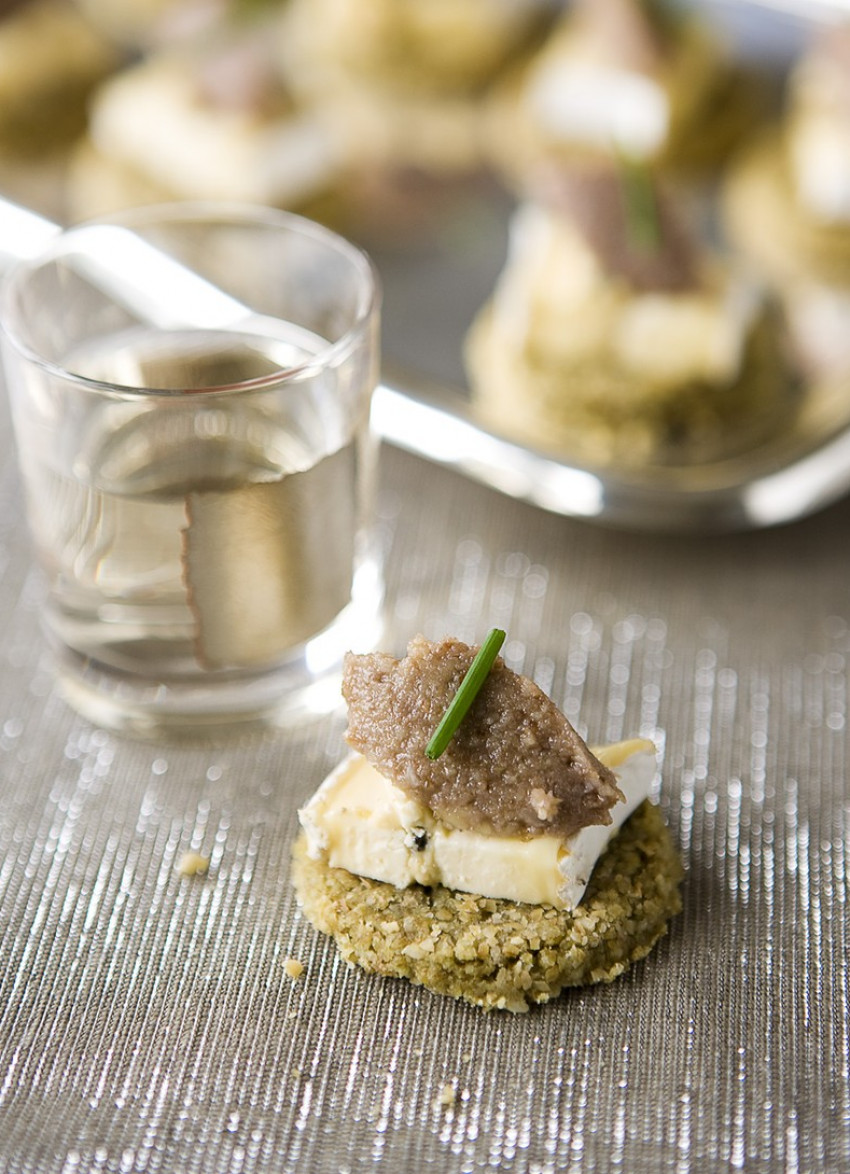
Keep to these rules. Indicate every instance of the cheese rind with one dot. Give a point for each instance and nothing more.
(358, 820)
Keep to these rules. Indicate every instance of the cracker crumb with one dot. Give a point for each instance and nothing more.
(293, 968)
(445, 1098)
(193, 864)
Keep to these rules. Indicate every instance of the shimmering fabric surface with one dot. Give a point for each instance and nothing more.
(148, 1020)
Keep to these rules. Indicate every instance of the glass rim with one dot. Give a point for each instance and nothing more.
(212, 212)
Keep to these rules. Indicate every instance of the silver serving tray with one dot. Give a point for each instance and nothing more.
(804, 467)
(431, 298)
(797, 472)
(800, 470)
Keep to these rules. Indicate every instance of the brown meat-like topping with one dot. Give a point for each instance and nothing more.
(515, 766)
(595, 199)
(635, 34)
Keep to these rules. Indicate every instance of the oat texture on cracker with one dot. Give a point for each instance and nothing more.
(499, 954)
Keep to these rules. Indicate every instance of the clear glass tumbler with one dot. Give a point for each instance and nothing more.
(190, 389)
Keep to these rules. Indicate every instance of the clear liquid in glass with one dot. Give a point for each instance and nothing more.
(191, 536)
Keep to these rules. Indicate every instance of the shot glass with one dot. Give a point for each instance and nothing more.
(190, 389)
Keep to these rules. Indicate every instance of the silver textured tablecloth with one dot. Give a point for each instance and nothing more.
(147, 1021)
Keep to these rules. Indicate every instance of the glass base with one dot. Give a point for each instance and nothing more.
(219, 706)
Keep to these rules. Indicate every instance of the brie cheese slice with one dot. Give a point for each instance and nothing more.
(360, 821)
(601, 106)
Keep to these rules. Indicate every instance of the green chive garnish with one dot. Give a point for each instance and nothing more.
(470, 686)
(643, 226)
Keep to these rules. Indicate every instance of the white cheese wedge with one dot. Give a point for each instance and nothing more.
(819, 150)
(358, 820)
(587, 102)
(817, 316)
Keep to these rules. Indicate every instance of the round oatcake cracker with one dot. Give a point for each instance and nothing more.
(497, 953)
